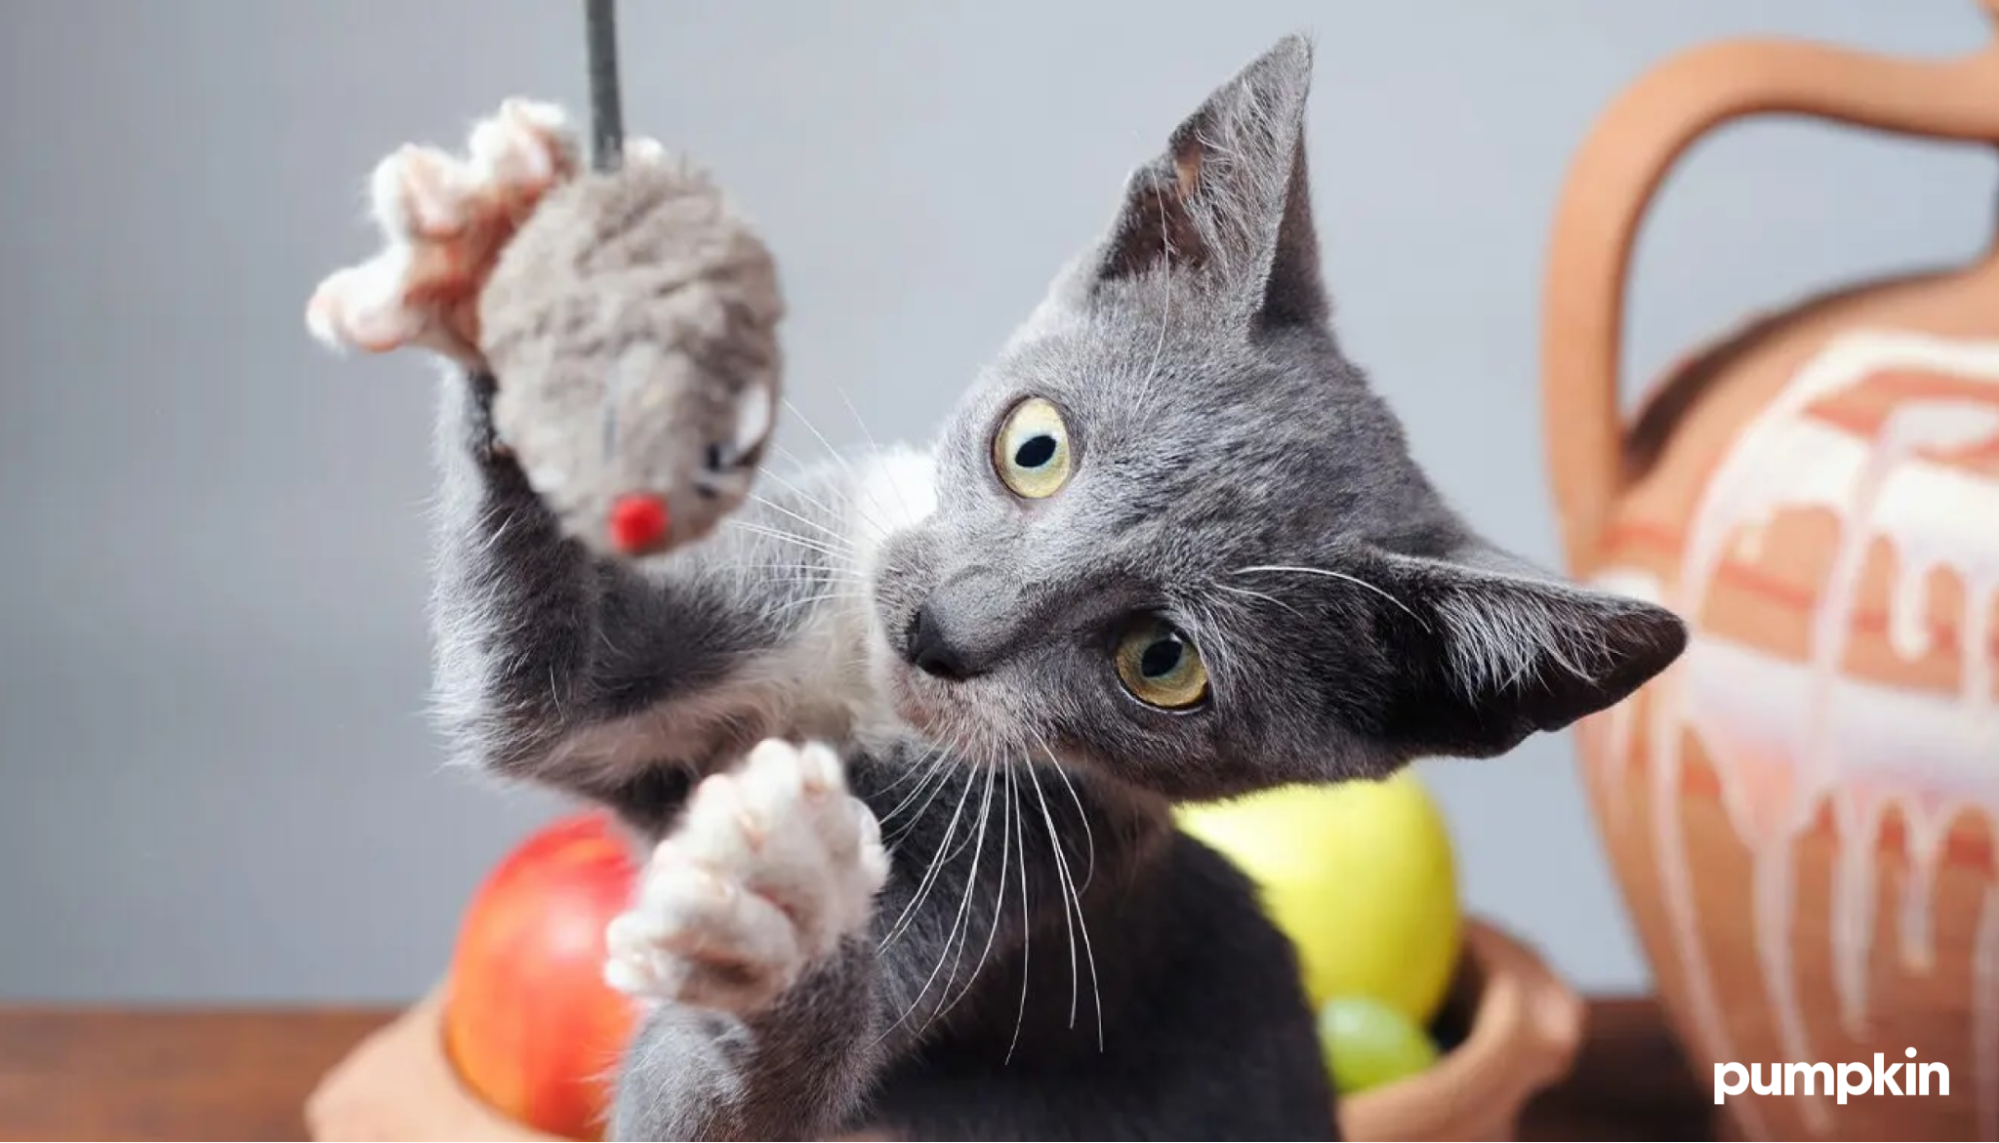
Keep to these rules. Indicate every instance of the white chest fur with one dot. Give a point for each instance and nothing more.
(817, 682)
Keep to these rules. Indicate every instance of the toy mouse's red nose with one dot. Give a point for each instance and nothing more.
(638, 522)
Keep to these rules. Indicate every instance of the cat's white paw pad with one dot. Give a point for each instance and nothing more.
(771, 867)
(444, 221)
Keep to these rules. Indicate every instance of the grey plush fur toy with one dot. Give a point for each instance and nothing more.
(900, 736)
(634, 316)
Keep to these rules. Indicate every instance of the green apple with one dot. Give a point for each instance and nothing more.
(1359, 875)
(1368, 1043)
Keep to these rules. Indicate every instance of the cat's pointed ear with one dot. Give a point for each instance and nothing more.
(1229, 201)
(1482, 650)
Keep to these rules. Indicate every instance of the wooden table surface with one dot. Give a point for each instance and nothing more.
(215, 1074)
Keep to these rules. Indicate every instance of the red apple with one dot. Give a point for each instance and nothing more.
(529, 1023)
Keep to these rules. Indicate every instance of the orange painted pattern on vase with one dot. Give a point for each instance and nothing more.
(1841, 568)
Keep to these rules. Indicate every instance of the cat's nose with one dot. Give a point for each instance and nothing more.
(929, 648)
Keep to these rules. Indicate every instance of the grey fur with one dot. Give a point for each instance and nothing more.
(1050, 958)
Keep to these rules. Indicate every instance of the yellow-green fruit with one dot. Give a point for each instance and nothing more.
(1368, 1043)
(1359, 875)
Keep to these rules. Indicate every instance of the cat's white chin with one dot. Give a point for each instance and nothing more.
(938, 710)
(909, 693)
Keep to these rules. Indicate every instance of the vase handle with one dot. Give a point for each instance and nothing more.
(1620, 166)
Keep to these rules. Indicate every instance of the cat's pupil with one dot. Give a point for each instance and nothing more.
(1035, 451)
(1159, 658)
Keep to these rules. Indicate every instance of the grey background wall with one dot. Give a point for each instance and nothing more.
(215, 777)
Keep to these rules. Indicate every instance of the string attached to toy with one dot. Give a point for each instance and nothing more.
(638, 521)
(607, 116)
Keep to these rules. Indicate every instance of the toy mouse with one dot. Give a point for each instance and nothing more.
(672, 341)
(638, 407)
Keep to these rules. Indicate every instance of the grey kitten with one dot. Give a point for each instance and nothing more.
(903, 733)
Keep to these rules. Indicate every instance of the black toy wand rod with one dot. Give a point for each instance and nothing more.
(607, 117)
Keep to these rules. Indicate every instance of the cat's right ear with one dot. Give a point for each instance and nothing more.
(1482, 651)
(1228, 205)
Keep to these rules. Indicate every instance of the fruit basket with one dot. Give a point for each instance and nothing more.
(1509, 1027)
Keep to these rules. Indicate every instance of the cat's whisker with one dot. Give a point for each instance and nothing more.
(937, 861)
(848, 505)
(1217, 651)
(1090, 956)
(929, 769)
(1008, 829)
(824, 589)
(859, 485)
(969, 898)
(806, 604)
(1026, 911)
(1063, 883)
(844, 496)
(833, 537)
(839, 550)
(1253, 594)
(831, 487)
(774, 531)
(832, 559)
(800, 572)
(804, 471)
(818, 582)
(964, 903)
(819, 579)
(1089, 835)
(790, 565)
(795, 460)
(794, 604)
(785, 537)
(1330, 574)
(834, 491)
(966, 841)
(838, 457)
(870, 436)
(919, 767)
(1076, 898)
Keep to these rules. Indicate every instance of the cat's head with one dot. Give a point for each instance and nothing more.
(1178, 539)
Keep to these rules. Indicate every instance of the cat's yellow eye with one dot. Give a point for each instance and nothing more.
(1160, 666)
(1031, 450)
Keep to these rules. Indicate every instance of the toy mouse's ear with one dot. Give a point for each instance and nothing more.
(1228, 203)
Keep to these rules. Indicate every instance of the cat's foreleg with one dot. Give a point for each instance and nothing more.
(749, 937)
(537, 641)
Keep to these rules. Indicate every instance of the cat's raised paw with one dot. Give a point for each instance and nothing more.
(771, 867)
(444, 222)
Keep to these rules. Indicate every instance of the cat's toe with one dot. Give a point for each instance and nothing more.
(644, 149)
(524, 149)
(422, 194)
(700, 936)
(824, 861)
(363, 306)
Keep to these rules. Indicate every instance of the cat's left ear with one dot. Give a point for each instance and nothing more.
(1481, 650)
(1229, 202)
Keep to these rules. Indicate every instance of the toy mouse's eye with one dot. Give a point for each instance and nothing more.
(752, 429)
(753, 420)
(1031, 450)
(1159, 665)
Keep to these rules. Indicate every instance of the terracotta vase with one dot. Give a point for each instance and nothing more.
(1802, 812)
